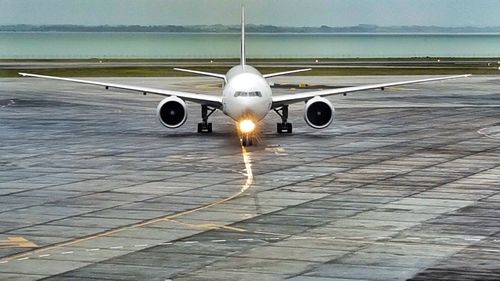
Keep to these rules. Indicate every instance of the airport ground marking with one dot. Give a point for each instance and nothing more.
(496, 131)
(249, 240)
(208, 225)
(248, 183)
(17, 242)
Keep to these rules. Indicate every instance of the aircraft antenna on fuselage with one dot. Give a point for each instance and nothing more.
(242, 54)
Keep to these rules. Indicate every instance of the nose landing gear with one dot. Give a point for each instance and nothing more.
(284, 126)
(204, 126)
(246, 140)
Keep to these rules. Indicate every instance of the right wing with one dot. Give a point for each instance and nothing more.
(193, 97)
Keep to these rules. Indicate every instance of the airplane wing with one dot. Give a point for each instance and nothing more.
(294, 98)
(193, 97)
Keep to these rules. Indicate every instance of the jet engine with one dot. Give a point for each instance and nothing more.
(319, 113)
(172, 112)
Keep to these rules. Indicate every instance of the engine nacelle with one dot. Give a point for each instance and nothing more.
(319, 113)
(172, 112)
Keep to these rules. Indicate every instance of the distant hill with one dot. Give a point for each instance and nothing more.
(362, 28)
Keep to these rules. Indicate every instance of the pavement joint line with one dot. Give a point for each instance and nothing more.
(428, 238)
(242, 239)
(248, 183)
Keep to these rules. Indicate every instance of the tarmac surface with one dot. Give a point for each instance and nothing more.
(404, 185)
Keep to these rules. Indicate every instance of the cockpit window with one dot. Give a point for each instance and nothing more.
(248, 94)
(255, 94)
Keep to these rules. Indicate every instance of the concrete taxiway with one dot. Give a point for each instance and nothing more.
(405, 185)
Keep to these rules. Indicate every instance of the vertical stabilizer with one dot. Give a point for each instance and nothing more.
(242, 54)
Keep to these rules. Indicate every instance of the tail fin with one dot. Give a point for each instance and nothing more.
(242, 54)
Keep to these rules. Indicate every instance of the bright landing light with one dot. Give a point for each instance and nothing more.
(246, 126)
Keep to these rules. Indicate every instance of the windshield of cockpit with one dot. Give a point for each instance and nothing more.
(248, 94)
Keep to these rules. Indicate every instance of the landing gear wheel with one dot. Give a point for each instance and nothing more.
(247, 140)
(204, 126)
(284, 126)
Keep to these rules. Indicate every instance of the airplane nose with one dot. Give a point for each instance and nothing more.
(254, 109)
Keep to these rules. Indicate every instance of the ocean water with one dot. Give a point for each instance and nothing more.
(61, 45)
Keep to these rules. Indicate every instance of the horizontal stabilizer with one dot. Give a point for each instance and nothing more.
(216, 75)
(285, 72)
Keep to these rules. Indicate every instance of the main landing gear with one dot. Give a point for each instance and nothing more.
(284, 126)
(204, 126)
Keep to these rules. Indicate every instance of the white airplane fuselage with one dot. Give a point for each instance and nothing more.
(246, 94)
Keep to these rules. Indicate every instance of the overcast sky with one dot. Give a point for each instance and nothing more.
(275, 12)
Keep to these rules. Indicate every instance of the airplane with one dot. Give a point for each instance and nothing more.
(246, 98)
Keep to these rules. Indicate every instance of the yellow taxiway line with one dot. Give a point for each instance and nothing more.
(244, 188)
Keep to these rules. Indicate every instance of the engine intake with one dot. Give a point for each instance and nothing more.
(172, 112)
(319, 113)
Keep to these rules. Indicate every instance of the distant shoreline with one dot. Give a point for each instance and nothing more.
(358, 29)
(281, 33)
(324, 67)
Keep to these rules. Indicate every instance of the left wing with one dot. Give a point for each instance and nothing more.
(193, 97)
(293, 98)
